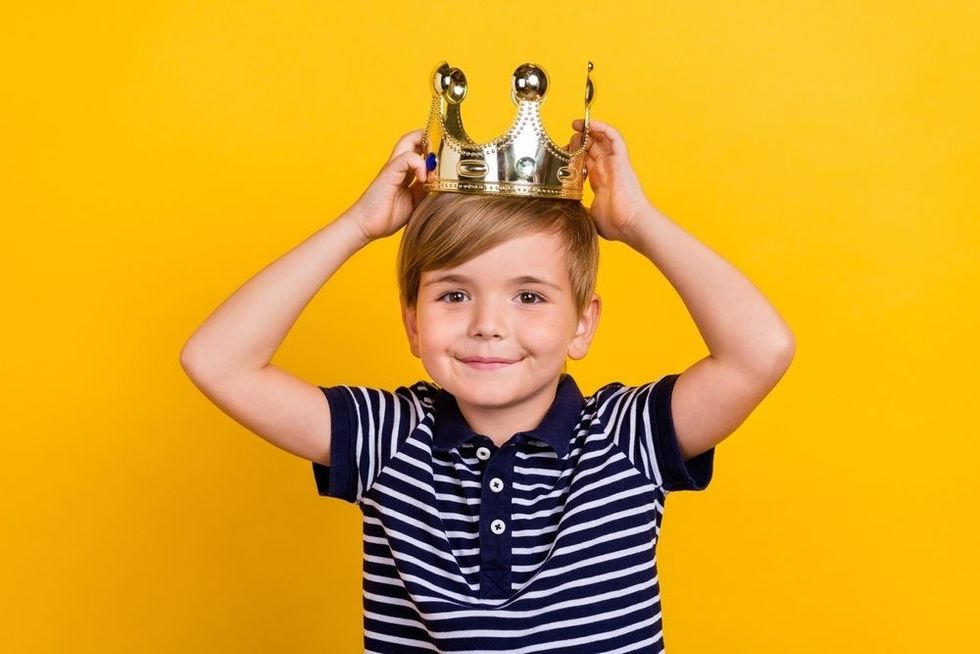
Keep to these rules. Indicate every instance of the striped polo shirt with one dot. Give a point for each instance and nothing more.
(544, 544)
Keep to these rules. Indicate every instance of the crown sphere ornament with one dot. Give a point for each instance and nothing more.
(523, 161)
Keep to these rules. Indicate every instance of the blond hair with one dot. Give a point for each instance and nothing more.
(447, 229)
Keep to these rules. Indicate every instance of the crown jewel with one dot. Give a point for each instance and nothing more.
(523, 161)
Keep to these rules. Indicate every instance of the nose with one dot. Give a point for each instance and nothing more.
(487, 320)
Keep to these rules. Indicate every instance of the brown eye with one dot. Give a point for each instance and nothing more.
(526, 294)
(448, 293)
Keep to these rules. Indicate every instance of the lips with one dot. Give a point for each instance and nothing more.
(486, 363)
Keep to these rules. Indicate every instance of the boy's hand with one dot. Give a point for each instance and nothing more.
(385, 206)
(619, 198)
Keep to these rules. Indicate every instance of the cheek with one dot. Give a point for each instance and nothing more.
(437, 328)
(545, 332)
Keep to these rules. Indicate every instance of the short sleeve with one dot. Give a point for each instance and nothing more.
(644, 430)
(367, 425)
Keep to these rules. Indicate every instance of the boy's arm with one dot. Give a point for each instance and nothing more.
(750, 345)
(228, 356)
(245, 331)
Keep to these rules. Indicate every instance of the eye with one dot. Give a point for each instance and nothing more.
(450, 293)
(532, 295)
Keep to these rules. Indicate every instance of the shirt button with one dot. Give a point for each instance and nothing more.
(496, 484)
(497, 526)
(482, 453)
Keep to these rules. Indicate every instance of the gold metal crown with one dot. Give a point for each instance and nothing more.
(523, 161)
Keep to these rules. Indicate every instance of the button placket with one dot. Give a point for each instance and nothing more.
(495, 540)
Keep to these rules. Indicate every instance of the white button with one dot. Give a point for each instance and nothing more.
(482, 453)
(497, 526)
(496, 484)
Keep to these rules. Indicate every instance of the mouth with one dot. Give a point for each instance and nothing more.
(480, 363)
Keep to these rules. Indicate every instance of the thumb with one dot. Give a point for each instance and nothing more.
(400, 169)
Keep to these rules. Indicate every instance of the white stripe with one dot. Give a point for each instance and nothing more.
(412, 521)
(439, 572)
(589, 544)
(554, 591)
(512, 634)
(652, 468)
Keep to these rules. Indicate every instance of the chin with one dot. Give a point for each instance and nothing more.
(477, 386)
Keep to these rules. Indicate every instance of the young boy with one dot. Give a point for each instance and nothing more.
(502, 509)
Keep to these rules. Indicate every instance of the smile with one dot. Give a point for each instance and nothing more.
(488, 365)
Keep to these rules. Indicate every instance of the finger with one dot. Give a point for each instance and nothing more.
(594, 138)
(595, 135)
(409, 142)
(403, 167)
(600, 146)
(578, 122)
(609, 137)
(598, 129)
(416, 164)
(576, 142)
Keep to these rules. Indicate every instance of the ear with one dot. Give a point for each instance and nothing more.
(410, 320)
(585, 330)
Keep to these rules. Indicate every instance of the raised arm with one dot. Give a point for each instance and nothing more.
(750, 345)
(228, 356)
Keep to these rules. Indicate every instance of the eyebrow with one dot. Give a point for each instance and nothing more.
(460, 279)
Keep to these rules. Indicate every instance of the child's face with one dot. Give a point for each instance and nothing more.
(487, 311)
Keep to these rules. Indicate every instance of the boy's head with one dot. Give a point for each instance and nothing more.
(488, 243)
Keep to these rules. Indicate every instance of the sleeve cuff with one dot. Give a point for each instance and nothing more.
(337, 479)
(678, 474)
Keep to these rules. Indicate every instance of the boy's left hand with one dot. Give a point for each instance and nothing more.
(619, 198)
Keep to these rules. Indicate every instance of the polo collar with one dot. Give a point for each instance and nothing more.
(451, 428)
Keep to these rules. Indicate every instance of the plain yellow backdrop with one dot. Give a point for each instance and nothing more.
(157, 154)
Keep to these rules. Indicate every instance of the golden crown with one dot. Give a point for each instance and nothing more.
(523, 161)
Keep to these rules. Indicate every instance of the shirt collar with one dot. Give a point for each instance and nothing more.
(555, 429)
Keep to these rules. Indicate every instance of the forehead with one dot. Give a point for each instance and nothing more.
(537, 255)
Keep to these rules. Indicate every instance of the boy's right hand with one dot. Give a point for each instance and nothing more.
(385, 206)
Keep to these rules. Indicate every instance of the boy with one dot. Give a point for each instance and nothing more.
(503, 511)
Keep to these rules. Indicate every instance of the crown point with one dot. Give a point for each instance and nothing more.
(530, 82)
(440, 78)
(449, 82)
(589, 88)
(456, 86)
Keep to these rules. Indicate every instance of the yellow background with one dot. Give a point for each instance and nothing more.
(157, 154)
